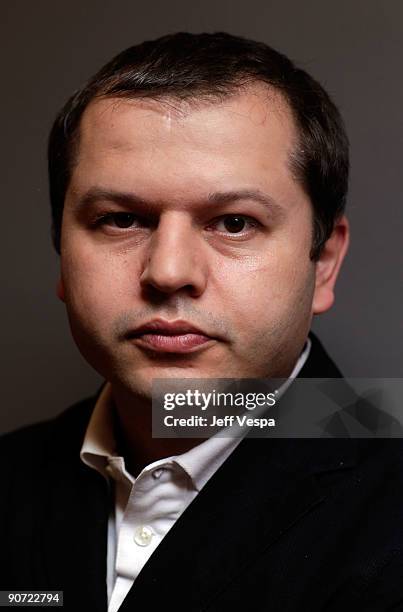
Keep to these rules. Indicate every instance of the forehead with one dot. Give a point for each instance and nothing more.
(247, 137)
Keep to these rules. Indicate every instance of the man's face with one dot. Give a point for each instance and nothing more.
(191, 213)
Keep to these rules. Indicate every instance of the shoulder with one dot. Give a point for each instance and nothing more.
(319, 364)
(29, 446)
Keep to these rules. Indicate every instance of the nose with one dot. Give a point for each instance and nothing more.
(174, 257)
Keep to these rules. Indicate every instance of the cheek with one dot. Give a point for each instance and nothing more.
(263, 286)
(267, 307)
(97, 286)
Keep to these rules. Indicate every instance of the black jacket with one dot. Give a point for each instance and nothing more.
(283, 525)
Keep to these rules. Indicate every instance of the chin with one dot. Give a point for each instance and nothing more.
(141, 383)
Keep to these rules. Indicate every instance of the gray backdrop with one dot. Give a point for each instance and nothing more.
(354, 47)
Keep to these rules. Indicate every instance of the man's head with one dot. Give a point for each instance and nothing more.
(199, 178)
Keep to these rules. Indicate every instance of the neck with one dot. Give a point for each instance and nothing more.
(133, 431)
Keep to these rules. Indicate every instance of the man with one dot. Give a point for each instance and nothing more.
(198, 186)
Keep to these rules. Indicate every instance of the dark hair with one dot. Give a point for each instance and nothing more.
(213, 66)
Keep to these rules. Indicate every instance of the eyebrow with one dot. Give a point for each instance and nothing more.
(97, 194)
(247, 194)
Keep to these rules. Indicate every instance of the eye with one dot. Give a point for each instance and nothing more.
(235, 224)
(121, 220)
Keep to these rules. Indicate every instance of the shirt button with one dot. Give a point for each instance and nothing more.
(143, 535)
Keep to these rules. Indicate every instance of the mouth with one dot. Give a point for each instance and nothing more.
(171, 337)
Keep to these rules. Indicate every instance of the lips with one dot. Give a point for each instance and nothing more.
(170, 336)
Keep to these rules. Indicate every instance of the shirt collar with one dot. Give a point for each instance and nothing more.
(99, 447)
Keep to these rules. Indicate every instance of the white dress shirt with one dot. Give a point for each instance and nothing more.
(146, 507)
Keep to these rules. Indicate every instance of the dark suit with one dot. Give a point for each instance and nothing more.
(283, 525)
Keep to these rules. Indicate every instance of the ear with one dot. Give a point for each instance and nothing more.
(60, 289)
(328, 266)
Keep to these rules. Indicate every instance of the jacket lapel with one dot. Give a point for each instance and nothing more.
(73, 526)
(265, 488)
